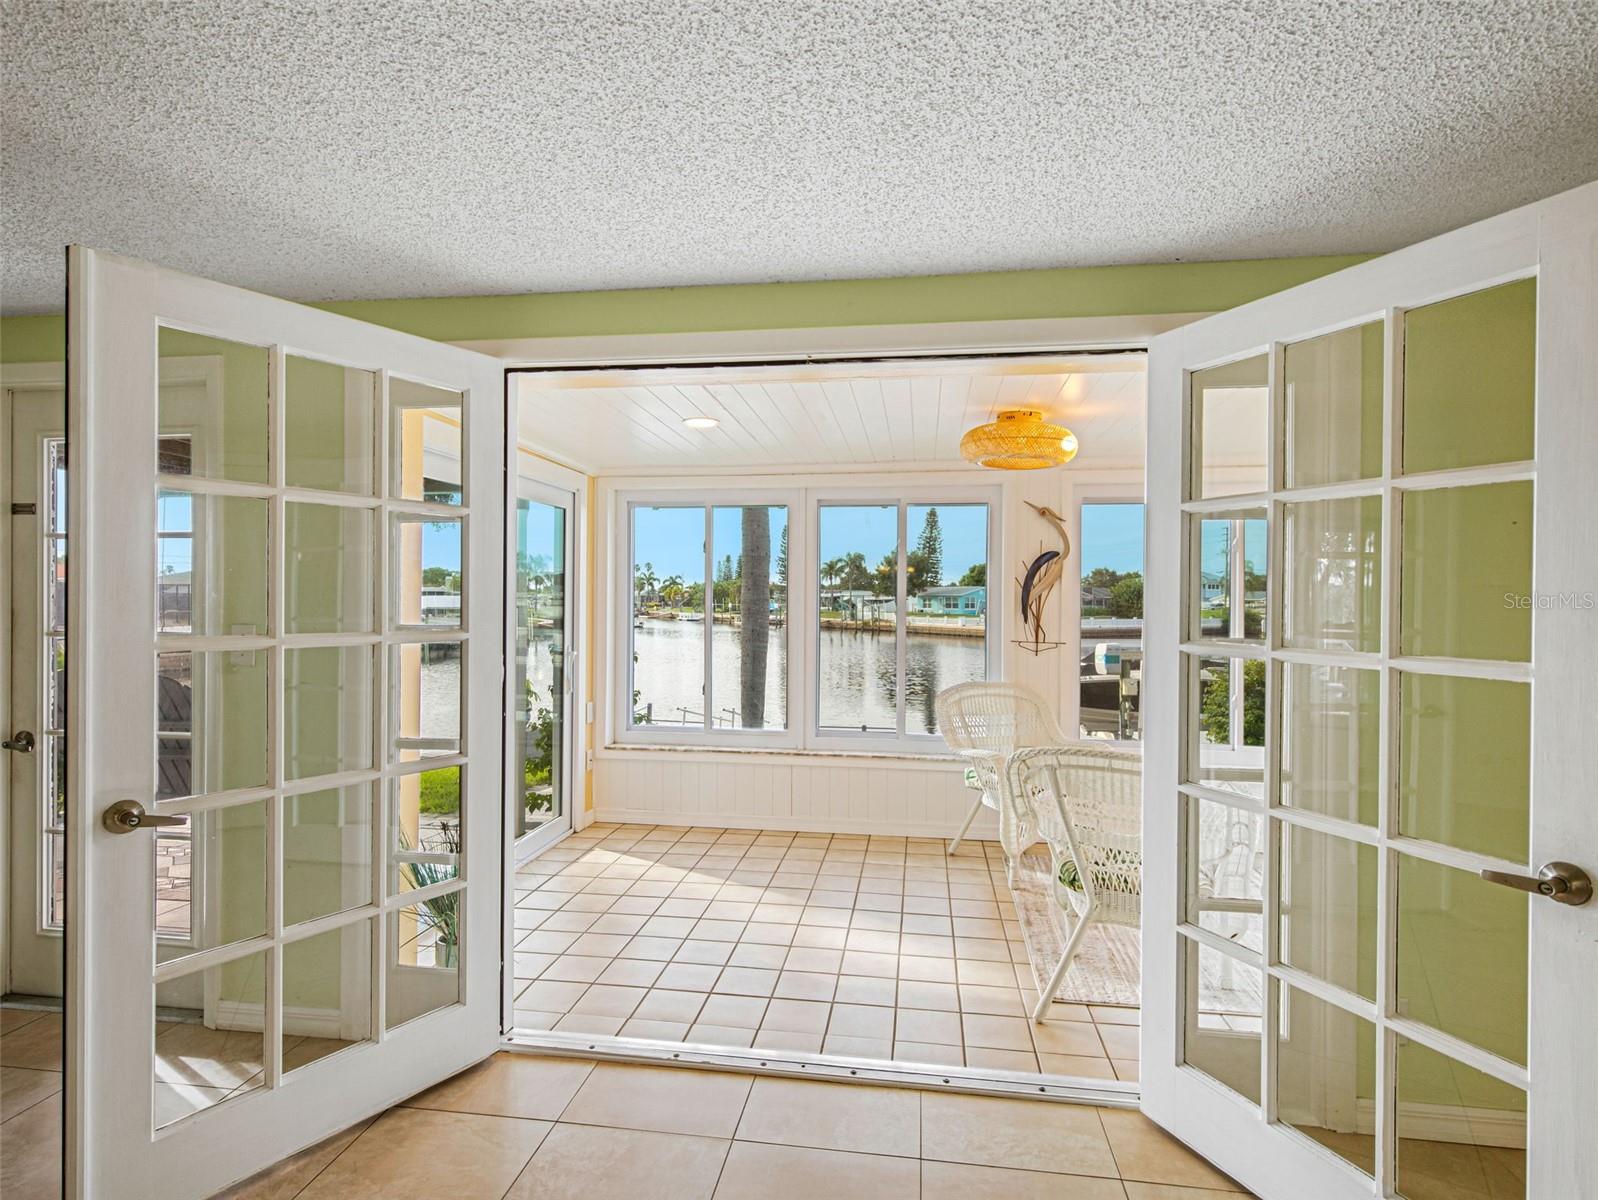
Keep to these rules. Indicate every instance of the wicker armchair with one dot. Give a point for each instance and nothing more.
(1084, 801)
(986, 723)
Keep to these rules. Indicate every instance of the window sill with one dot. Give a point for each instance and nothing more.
(779, 754)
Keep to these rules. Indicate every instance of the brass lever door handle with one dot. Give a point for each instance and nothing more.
(127, 815)
(21, 741)
(1563, 882)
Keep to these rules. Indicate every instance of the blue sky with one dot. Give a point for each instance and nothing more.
(1213, 537)
(1112, 536)
(672, 538)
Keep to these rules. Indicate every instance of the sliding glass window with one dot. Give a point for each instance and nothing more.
(708, 618)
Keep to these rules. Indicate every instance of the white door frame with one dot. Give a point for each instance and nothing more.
(1557, 242)
(115, 305)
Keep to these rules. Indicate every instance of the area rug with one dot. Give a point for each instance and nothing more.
(1106, 967)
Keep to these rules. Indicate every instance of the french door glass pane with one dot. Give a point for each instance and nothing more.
(424, 829)
(1333, 407)
(1460, 1132)
(858, 554)
(211, 709)
(1228, 739)
(1332, 560)
(1226, 871)
(540, 693)
(1326, 1075)
(1466, 583)
(1328, 908)
(946, 567)
(327, 699)
(1232, 563)
(427, 571)
(1229, 406)
(327, 993)
(1470, 371)
(210, 886)
(212, 418)
(749, 641)
(327, 852)
(211, 568)
(668, 616)
(1462, 955)
(424, 443)
(424, 958)
(1330, 737)
(1223, 1017)
(328, 562)
(209, 1044)
(329, 426)
(425, 683)
(1464, 763)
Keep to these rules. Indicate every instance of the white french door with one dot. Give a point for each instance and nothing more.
(1347, 993)
(285, 612)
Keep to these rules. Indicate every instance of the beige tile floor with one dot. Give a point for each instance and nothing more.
(866, 947)
(520, 1127)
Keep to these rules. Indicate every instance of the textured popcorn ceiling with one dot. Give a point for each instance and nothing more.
(361, 148)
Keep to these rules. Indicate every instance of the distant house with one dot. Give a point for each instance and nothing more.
(952, 601)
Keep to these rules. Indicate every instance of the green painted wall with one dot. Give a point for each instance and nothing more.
(989, 296)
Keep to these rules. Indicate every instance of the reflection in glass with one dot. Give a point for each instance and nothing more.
(328, 426)
(219, 855)
(425, 684)
(1229, 428)
(1229, 753)
(858, 565)
(1330, 722)
(212, 410)
(1334, 407)
(211, 564)
(1232, 559)
(668, 616)
(1111, 549)
(209, 1044)
(1470, 374)
(1466, 578)
(1226, 871)
(211, 709)
(424, 961)
(328, 569)
(1464, 763)
(1461, 1133)
(327, 852)
(424, 829)
(323, 976)
(424, 443)
(1326, 1075)
(946, 581)
(1462, 964)
(1222, 1021)
(427, 572)
(749, 646)
(1332, 551)
(1328, 908)
(328, 716)
(540, 660)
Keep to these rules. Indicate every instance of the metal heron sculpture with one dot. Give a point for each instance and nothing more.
(1043, 574)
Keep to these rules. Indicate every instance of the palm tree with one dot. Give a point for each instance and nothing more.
(830, 570)
(647, 579)
(672, 590)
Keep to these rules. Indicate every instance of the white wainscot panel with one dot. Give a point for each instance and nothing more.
(835, 794)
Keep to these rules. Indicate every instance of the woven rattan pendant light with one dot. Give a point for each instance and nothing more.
(1020, 440)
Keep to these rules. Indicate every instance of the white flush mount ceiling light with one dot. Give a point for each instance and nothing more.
(700, 422)
(1020, 440)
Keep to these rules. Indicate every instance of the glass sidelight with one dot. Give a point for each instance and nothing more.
(1356, 714)
(542, 684)
(309, 648)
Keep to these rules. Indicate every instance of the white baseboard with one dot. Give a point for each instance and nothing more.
(1450, 1123)
(985, 829)
(297, 1021)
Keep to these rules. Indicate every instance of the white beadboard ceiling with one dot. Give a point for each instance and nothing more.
(887, 415)
(385, 148)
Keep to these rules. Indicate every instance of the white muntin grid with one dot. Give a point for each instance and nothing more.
(1388, 665)
(377, 709)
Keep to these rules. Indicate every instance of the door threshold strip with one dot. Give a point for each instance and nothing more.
(835, 1068)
